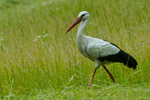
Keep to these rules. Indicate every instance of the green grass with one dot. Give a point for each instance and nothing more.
(39, 61)
(113, 92)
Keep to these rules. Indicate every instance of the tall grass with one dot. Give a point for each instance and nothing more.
(35, 52)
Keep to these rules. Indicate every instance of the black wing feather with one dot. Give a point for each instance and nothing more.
(121, 57)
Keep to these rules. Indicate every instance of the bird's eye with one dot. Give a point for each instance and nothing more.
(82, 15)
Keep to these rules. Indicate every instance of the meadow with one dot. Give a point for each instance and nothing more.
(39, 61)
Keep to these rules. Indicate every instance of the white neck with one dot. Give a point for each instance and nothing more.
(81, 28)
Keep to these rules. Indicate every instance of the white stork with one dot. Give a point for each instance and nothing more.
(98, 50)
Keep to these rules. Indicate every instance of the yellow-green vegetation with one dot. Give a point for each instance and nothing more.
(39, 61)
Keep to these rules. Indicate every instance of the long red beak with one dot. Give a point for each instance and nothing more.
(78, 20)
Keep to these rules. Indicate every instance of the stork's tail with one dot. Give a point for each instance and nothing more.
(128, 60)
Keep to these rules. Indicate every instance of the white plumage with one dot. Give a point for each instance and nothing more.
(98, 50)
(101, 48)
(94, 48)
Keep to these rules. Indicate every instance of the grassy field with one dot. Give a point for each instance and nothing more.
(38, 61)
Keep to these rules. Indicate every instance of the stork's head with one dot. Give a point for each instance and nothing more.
(83, 16)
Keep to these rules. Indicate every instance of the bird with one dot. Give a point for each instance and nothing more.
(99, 51)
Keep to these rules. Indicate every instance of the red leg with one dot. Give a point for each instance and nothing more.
(92, 78)
(110, 75)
